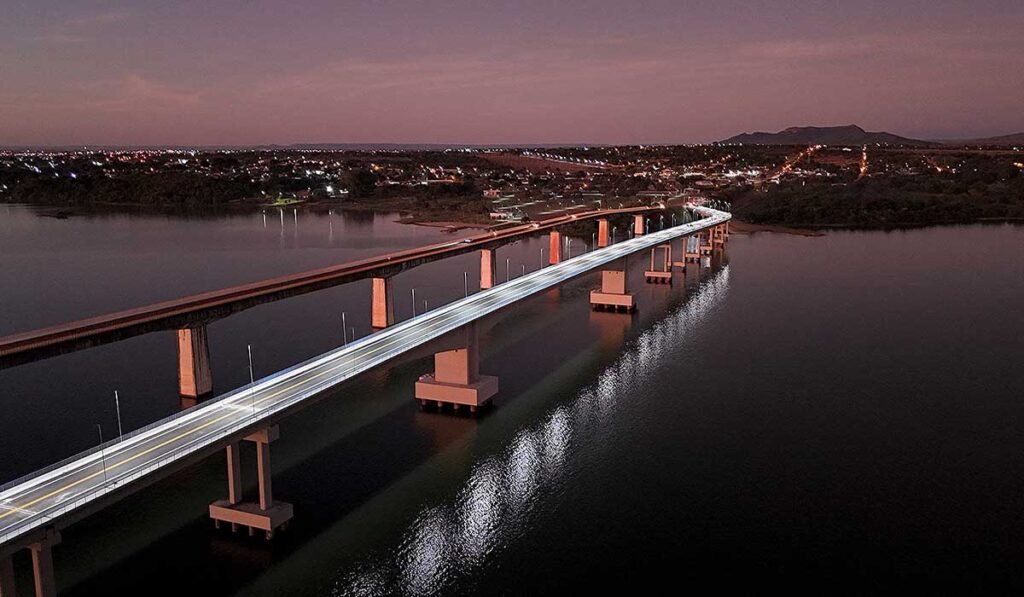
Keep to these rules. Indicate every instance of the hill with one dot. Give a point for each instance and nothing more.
(1014, 139)
(823, 135)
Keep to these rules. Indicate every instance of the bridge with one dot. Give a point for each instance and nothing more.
(35, 508)
(193, 312)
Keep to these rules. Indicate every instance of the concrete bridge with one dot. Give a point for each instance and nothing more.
(35, 508)
(194, 312)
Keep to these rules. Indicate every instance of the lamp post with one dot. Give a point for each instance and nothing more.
(103, 457)
(117, 405)
(252, 380)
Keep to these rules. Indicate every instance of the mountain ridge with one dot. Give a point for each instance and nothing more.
(1011, 139)
(849, 134)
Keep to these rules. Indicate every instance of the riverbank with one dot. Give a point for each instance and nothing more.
(452, 214)
(741, 227)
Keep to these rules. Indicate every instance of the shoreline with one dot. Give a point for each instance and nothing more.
(446, 219)
(743, 227)
(737, 226)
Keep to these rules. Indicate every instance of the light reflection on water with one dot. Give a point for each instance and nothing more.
(452, 538)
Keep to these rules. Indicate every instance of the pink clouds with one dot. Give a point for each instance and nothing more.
(386, 75)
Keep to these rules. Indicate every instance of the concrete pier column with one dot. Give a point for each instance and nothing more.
(42, 564)
(613, 294)
(691, 250)
(456, 380)
(263, 474)
(488, 268)
(194, 376)
(382, 312)
(602, 233)
(681, 264)
(234, 474)
(42, 571)
(638, 225)
(704, 243)
(267, 515)
(661, 270)
(555, 248)
(7, 588)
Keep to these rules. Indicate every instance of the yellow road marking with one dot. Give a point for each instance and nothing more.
(21, 508)
(136, 456)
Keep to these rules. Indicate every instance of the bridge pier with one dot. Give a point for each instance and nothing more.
(602, 233)
(194, 376)
(42, 567)
(681, 264)
(718, 234)
(382, 310)
(555, 248)
(638, 225)
(42, 564)
(613, 294)
(268, 514)
(663, 274)
(488, 268)
(705, 245)
(691, 250)
(456, 379)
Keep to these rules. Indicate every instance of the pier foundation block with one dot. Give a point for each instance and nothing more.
(267, 515)
(456, 380)
(660, 274)
(613, 295)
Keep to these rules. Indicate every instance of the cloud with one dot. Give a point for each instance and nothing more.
(132, 93)
(81, 29)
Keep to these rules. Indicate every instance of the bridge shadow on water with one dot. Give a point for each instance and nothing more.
(356, 444)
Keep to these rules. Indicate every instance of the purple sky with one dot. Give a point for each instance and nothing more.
(510, 71)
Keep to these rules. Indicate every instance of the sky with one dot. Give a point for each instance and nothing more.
(145, 72)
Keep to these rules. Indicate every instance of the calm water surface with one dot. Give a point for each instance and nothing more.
(840, 414)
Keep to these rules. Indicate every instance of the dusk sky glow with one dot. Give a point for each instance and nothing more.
(483, 71)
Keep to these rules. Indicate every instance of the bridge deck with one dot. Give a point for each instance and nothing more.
(48, 497)
(33, 345)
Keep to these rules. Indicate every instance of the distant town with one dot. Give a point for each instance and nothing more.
(806, 185)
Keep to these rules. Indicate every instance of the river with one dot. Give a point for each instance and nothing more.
(839, 414)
